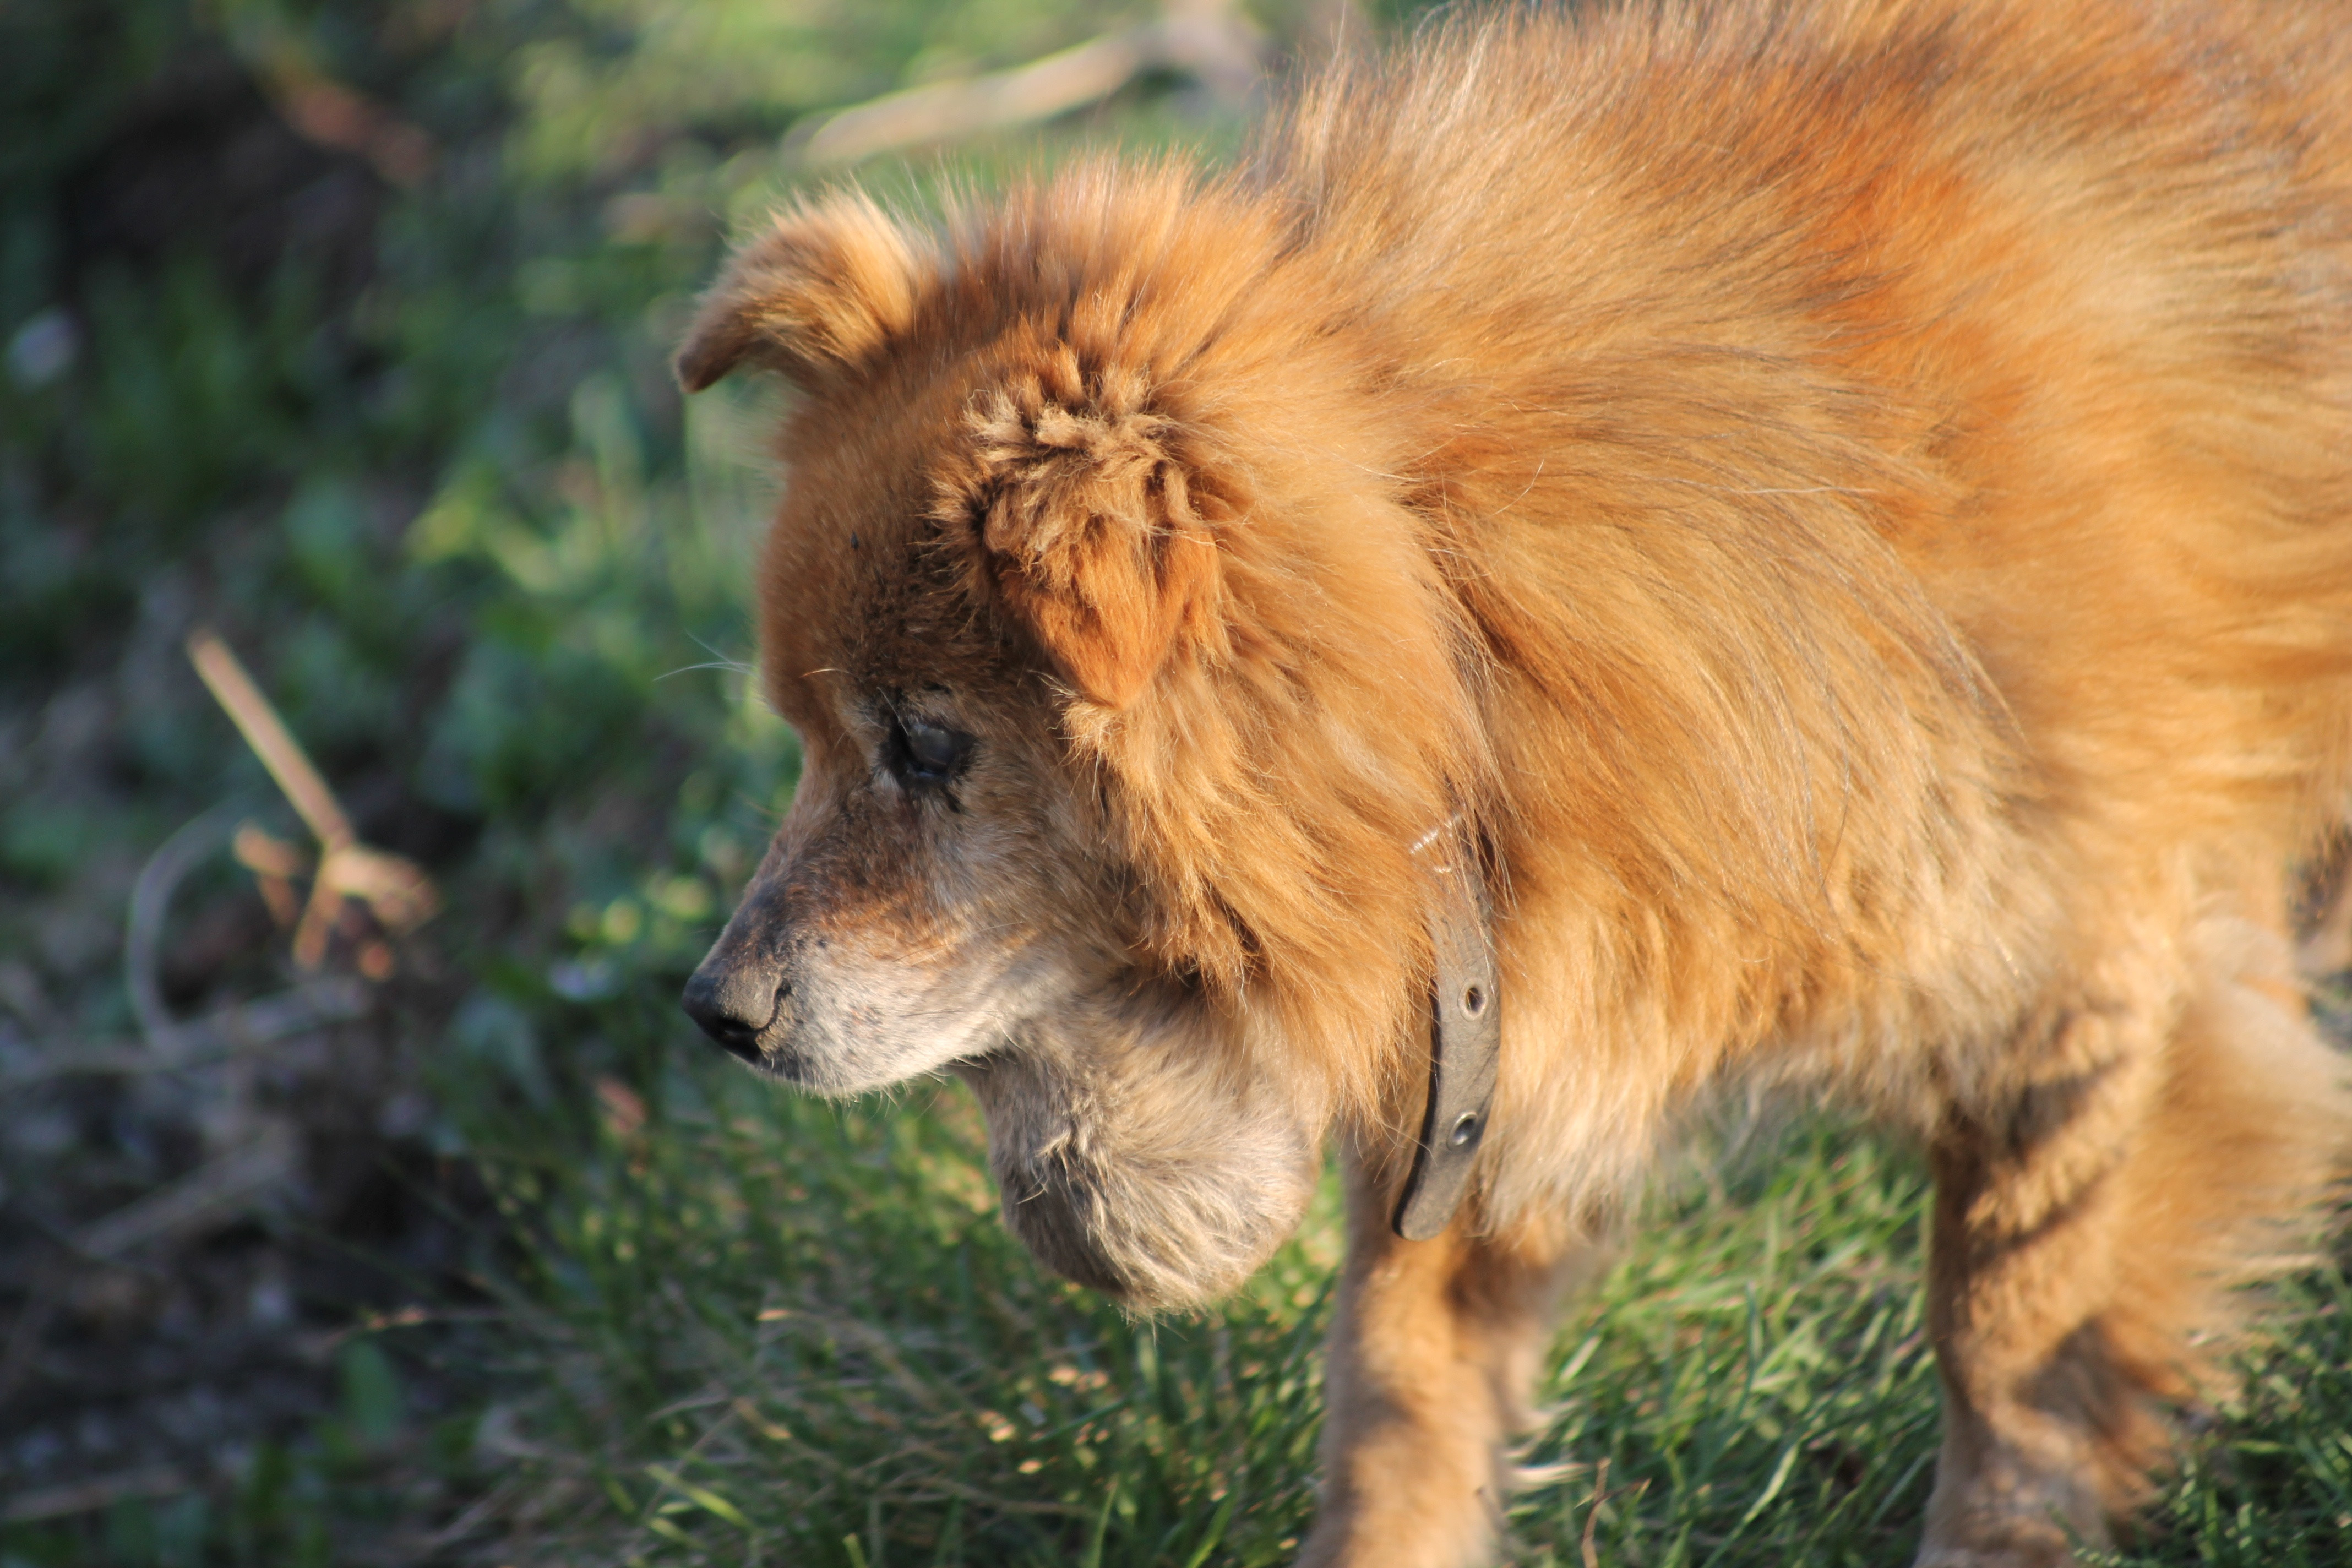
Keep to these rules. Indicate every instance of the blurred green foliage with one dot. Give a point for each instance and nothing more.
(405, 433)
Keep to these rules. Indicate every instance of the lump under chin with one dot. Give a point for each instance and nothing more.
(1156, 1187)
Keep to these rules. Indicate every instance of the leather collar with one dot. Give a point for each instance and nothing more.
(1465, 1037)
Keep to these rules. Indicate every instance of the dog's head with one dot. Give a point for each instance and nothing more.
(1125, 682)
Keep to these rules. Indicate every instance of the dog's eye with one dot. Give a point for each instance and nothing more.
(929, 752)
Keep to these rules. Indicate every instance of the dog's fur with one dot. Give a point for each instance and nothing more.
(1852, 504)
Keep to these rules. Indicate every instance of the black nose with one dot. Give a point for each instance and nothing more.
(734, 1004)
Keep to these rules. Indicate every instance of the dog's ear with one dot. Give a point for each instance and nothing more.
(1092, 534)
(825, 286)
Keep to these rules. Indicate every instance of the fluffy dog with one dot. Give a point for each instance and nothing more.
(1847, 507)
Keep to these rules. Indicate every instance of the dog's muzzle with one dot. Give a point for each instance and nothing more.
(734, 998)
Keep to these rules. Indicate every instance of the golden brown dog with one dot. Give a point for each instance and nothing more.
(1849, 506)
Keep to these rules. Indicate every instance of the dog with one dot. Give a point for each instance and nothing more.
(1614, 557)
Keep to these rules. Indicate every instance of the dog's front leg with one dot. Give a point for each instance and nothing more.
(1432, 1360)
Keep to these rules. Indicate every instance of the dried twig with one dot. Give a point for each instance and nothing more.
(89, 1497)
(267, 734)
(150, 898)
(483, 1511)
(274, 864)
(230, 1031)
(395, 890)
(326, 111)
(1587, 1552)
(219, 1183)
(1586, 1547)
(1202, 39)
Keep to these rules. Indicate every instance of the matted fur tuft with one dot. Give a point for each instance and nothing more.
(1085, 526)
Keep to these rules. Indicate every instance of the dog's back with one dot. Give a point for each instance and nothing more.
(1906, 453)
(2058, 295)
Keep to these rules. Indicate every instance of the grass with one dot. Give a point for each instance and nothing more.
(786, 1332)
(793, 1333)
(492, 568)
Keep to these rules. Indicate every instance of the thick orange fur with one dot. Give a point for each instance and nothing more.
(1852, 502)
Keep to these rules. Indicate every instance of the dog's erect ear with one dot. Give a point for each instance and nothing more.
(1091, 533)
(827, 284)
